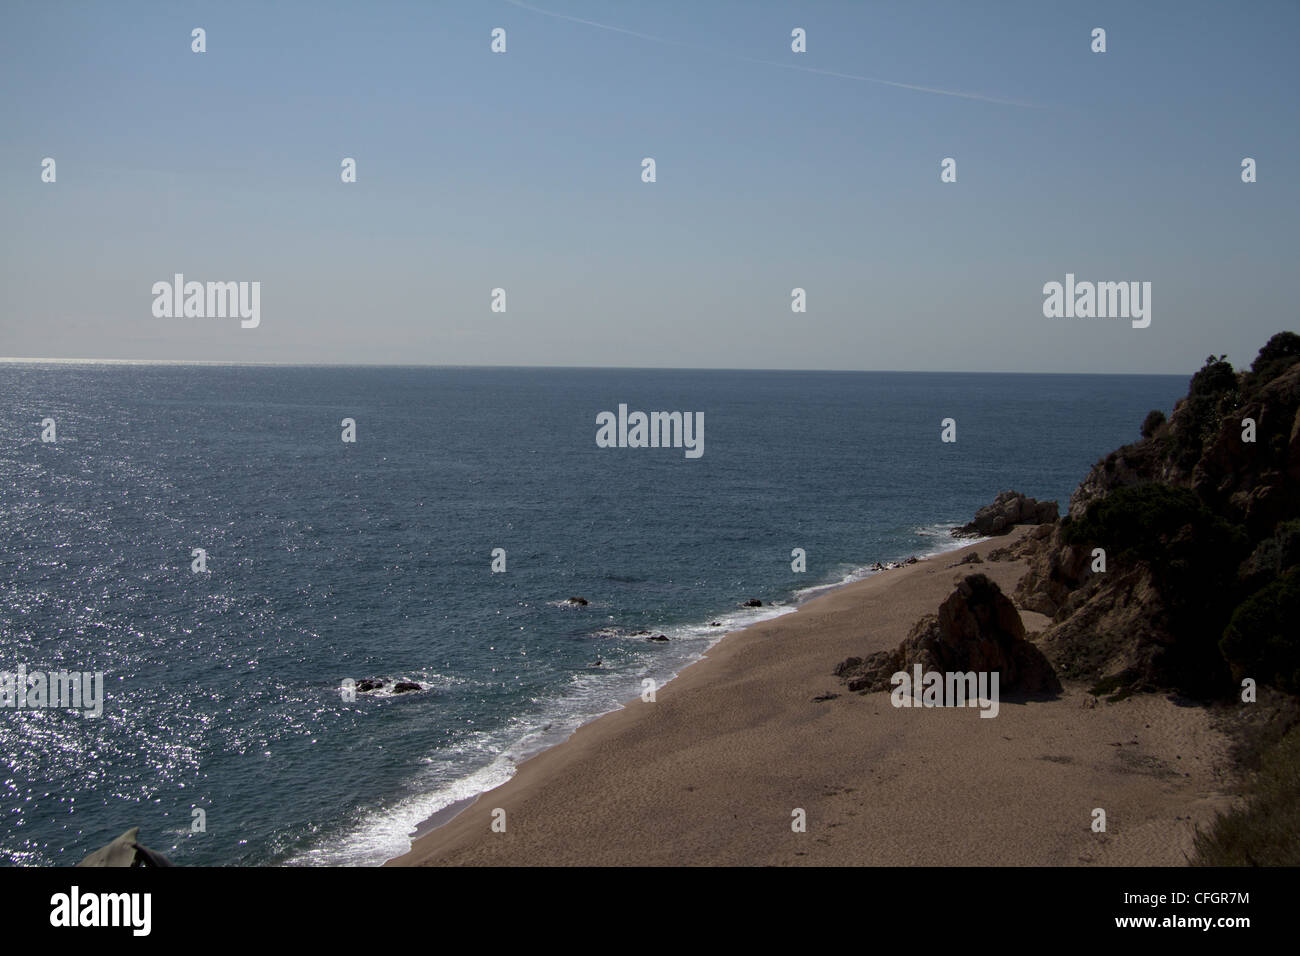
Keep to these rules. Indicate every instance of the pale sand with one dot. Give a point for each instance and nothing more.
(710, 772)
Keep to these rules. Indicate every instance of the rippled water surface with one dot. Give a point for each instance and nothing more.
(328, 561)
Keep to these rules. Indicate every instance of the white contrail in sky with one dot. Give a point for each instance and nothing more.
(784, 66)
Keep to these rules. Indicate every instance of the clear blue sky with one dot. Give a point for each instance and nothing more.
(522, 171)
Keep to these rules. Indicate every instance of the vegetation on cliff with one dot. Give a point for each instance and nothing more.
(1198, 529)
(1177, 567)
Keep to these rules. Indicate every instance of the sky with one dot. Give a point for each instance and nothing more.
(774, 170)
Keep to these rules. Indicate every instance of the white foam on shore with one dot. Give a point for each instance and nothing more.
(385, 833)
(939, 537)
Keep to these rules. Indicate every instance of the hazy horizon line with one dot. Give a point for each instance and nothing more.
(21, 360)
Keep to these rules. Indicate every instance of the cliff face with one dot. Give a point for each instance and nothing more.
(1174, 566)
(1254, 482)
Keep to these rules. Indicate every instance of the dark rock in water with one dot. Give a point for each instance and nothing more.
(715, 624)
(405, 686)
(580, 601)
(125, 851)
(659, 639)
(369, 684)
(977, 629)
(1008, 509)
(638, 634)
(753, 602)
(147, 857)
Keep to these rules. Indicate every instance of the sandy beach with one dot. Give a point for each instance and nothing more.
(711, 771)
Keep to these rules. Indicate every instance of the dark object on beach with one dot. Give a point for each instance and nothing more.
(753, 602)
(659, 639)
(369, 684)
(580, 601)
(827, 696)
(403, 686)
(125, 851)
(977, 629)
(971, 558)
(912, 560)
(1008, 509)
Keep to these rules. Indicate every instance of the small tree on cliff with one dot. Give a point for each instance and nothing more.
(1278, 354)
(1151, 424)
(1212, 393)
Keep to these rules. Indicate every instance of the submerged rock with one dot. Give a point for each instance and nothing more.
(406, 686)
(579, 601)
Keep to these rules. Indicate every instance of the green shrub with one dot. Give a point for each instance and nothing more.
(1140, 521)
(1266, 830)
(1211, 394)
(1151, 424)
(1274, 555)
(1193, 557)
(1260, 640)
(1278, 354)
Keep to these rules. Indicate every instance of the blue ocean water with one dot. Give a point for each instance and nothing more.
(329, 560)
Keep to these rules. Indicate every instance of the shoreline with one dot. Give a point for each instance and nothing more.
(781, 607)
(643, 784)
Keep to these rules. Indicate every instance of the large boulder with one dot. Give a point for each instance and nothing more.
(977, 629)
(125, 852)
(1008, 509)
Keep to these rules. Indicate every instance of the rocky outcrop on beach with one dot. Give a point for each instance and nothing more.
(977, 629)
(1010, 508)
(126, 851)
(1178, 563)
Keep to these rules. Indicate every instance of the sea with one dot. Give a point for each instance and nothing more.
(228, 734)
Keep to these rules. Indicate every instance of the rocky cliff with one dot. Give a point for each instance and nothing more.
(1178, 562)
